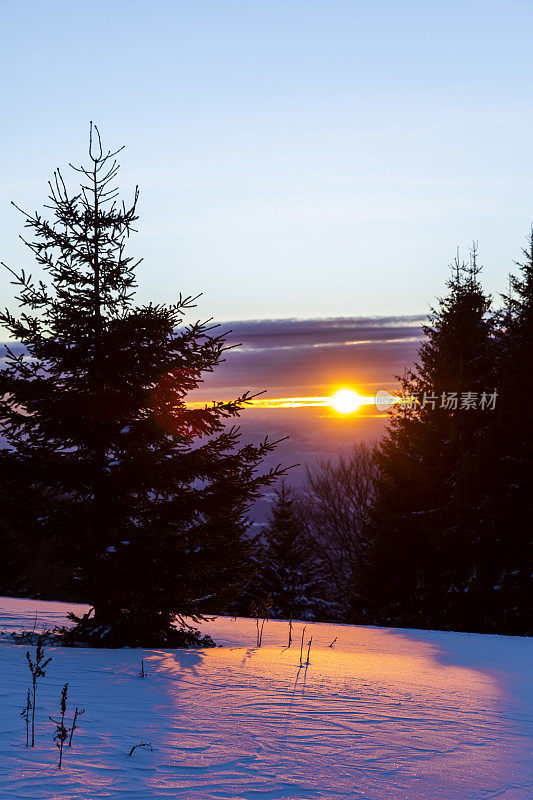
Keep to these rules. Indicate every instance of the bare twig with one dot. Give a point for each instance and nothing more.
(141, 744)
(309, 649)
(302, 645)
(78, 712)
(26, 714)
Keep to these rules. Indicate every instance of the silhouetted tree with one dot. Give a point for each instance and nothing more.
(290, 574)
(421, 561)
(142, 496)
(504, 582)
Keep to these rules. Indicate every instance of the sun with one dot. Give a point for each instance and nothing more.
(346, 401)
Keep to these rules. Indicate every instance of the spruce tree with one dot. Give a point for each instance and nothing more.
(421, 560)
(506, 508)
(141, 496)
(290, 575)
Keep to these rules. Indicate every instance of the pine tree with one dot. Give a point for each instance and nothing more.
(507, 505)
(290, 575)
(143, 497)
(421, 562)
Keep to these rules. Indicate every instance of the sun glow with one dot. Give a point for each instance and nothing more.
(346, 401)
(342, 402)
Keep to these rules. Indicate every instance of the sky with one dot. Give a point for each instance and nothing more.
(309, 166)
(296, 158)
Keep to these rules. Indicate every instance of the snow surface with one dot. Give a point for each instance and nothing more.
(384, 714)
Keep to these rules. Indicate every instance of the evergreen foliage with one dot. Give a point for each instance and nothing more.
(421, 561)
(290, 575)
(142, 498)
(506, 509)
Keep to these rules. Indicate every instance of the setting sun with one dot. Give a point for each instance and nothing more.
(346, 401)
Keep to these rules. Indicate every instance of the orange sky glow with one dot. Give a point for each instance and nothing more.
(362, 405)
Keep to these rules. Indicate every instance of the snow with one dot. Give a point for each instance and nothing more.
(384, 714)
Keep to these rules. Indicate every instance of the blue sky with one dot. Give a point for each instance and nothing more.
(295, 159)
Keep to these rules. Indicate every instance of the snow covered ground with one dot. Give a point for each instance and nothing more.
(384, 714)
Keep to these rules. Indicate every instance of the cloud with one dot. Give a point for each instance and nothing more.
(258, 334)
(292, 357)
(296, 357)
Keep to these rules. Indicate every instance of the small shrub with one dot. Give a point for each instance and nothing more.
(61, 732)
(37, 670)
